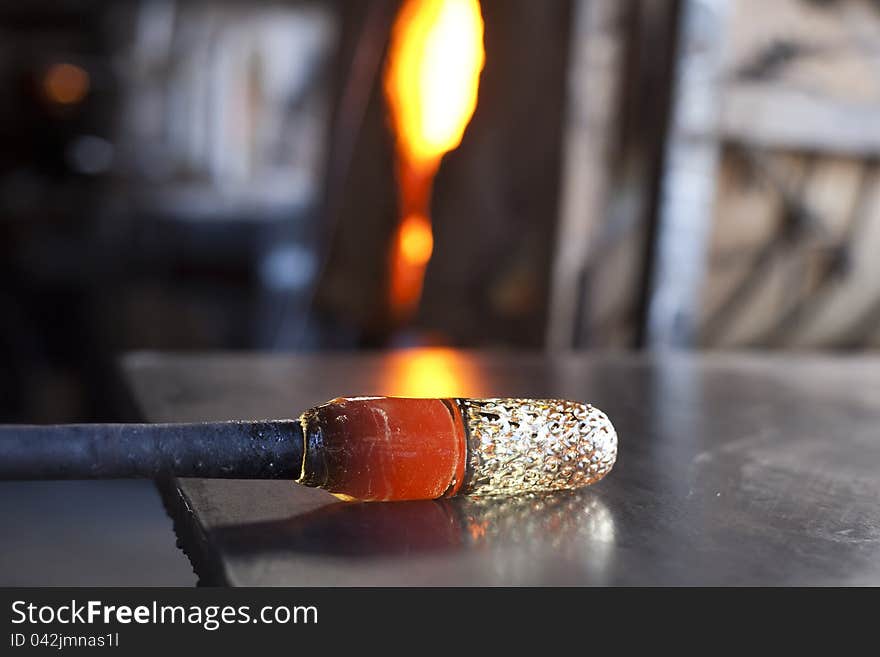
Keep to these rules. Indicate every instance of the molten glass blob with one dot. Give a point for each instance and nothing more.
(396, 448)
(385, 448)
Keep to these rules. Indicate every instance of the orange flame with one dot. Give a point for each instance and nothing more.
(431, 83)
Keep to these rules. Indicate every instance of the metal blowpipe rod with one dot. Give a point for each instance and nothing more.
(365, 448)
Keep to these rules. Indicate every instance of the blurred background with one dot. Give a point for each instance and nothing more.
(286, 175)
(575, 174)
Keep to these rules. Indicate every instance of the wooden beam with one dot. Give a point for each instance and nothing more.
(597, 51)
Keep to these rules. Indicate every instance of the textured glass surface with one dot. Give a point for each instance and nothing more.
(521, 445)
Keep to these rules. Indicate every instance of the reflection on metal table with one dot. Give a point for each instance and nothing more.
(733, 469)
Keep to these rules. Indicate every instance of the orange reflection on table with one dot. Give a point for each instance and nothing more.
(433, 372)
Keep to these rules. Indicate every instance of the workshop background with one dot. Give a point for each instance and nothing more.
(231, 175)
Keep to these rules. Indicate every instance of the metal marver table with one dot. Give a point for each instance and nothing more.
(740, 469)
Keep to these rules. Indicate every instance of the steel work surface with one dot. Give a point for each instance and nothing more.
(733, 469)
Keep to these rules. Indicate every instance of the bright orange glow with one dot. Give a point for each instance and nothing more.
(410, 251)
(431, 83)
(433, 74)
(435, 372)
(66, 84)
(416, 239)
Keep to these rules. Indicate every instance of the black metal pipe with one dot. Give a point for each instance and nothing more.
(270, 449)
